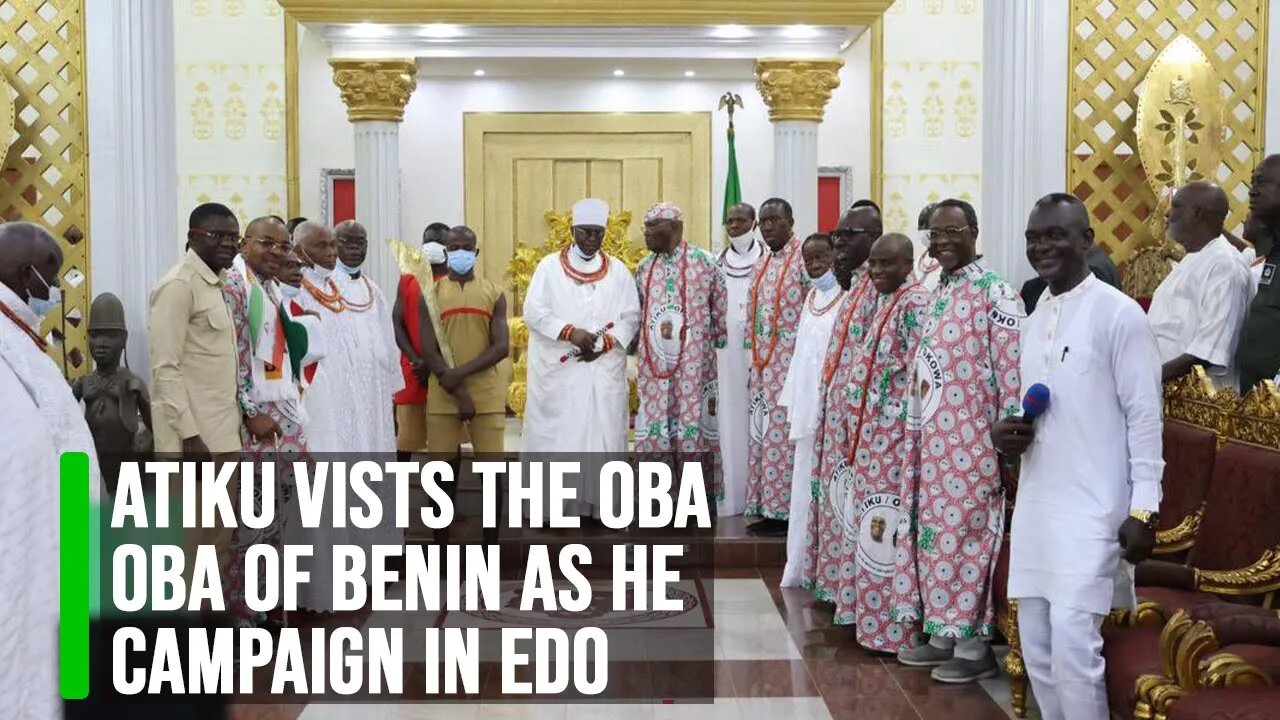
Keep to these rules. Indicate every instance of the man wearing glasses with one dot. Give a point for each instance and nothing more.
(965, 379)
(193, 358)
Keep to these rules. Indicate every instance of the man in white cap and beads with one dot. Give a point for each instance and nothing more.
(582, 312)
(733, 409)
(682, 324)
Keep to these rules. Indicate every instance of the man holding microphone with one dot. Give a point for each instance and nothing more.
(1091, 464)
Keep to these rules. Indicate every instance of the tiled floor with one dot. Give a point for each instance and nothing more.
(776, 655)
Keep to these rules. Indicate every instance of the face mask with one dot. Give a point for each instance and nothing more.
(461, 262)
(317, 275)
(826, 281)
(743, 242)
(577, 252)
(435, 253)
(43, 306)
(289, 292)
(352, 271)
(924, 238)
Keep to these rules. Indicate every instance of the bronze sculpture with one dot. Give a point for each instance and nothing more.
(115, 399)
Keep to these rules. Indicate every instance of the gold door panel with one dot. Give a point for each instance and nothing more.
(520, 165)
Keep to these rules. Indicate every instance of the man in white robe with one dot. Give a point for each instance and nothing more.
(369, 335)
(802, 393)
(42, 420)
(733, 363)
(1091, 464)
(582, 311)
(1198, 309)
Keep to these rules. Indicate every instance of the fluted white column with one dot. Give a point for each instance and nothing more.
(378, 195)
(1024, 123)
(796, 92)
(795, 170)
(375, 92)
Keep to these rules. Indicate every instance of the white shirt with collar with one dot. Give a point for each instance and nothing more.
(1199, 308)
(1097, 453)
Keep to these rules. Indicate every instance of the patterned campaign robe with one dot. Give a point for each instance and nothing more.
(875, 401)
(682, 323)
(965, 379)
(292, 445)
(777, 299)
(825, 533)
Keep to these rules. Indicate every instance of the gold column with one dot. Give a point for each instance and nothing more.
(797, 89)
(374, 89)
(797, 92)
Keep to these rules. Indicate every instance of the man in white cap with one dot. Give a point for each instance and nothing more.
(733, 415)
(682, 323)
(582, 312)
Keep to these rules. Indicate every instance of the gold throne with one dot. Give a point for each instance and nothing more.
(520, 272)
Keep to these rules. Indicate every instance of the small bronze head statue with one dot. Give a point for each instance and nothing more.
(114, 398)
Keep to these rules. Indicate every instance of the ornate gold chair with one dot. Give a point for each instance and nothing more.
(520, 272)
(1235, 556)
(1147, 268)
(1193, 422)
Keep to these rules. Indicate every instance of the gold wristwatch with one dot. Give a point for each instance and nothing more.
(1150, 518)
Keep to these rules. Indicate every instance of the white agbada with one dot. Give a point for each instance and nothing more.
(733, 365)
(572, 406)
(802, 397)
(42, 420)
(1199, 308)
(1097, 452)
(370, 337)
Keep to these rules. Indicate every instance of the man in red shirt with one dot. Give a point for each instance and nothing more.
(410, 316)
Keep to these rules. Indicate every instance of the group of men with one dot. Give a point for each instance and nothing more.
(861, 401)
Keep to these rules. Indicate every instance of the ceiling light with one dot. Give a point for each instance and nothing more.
(369, 31)
(479, 72)
(619, 72)
(731, 32)
(800, 32)
(690, 73)
(440, 31)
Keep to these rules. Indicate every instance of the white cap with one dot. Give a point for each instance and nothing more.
(591, 212)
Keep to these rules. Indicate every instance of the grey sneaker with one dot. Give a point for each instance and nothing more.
(924, 656)
(958, 671)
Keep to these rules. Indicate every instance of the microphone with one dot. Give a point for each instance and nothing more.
(1035, 402)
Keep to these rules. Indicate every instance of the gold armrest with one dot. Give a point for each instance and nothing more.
(1225, 670)
(1181, 536)
(1261, 577)
(1153, 689)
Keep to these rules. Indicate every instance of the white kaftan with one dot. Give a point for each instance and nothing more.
(1097, 452)
(42, 420)
(1199, 308)
(733, 365)
(572, 406)
(802, 396)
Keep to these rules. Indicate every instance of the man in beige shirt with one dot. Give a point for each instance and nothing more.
(193, 359)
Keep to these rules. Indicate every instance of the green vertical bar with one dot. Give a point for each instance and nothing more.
(73, 577)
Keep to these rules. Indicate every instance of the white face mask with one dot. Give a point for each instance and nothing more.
(435, 253)
(923, 236)
(743, 242)
(317, 275)
(289, 292)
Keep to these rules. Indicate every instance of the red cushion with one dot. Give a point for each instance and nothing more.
(1130, 653)
(1172, 600)
(1241, 510)
(1188, 466)
(1263, 657)
(1252, 703)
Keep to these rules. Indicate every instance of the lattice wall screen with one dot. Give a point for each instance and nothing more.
(1113, 43)
(45, 179)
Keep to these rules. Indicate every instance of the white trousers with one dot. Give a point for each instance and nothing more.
(1062, 649)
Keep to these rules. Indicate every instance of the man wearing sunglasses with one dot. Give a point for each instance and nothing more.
(965, 378)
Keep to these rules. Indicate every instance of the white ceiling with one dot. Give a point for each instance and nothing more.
(665, 43)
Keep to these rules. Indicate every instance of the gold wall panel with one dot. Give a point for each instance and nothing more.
(1113, 46)
(45, 177)
(519, 166)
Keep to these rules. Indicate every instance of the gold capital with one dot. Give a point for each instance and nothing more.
(797, 89)
(374, 89)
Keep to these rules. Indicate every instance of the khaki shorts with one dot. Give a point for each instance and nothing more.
(411, 428)
(487, 433)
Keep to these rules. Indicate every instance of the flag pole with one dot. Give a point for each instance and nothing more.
(732, 185)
